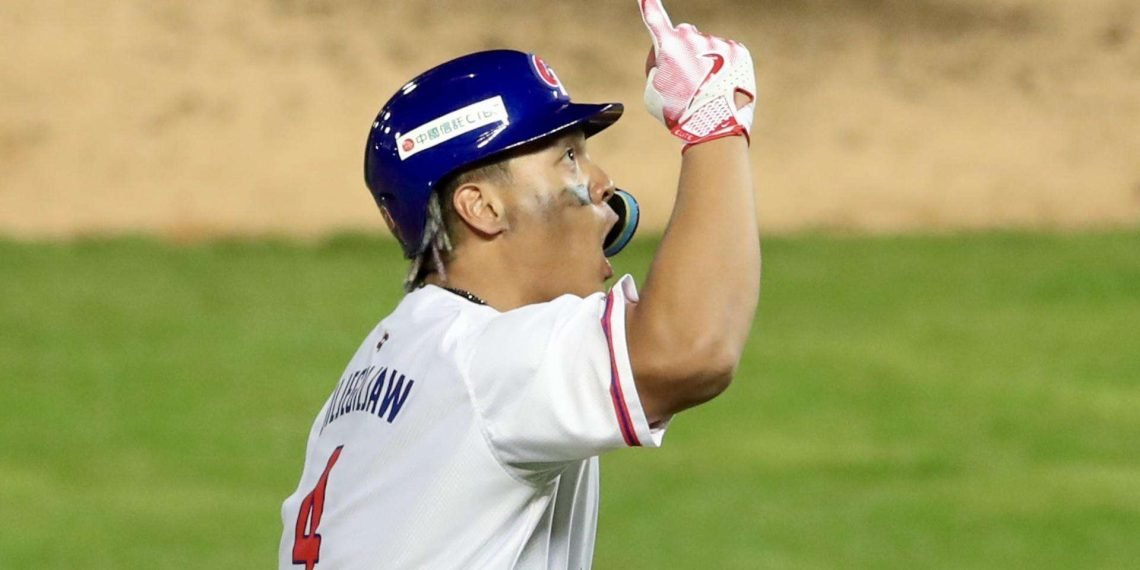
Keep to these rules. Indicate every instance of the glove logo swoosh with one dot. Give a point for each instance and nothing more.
(718, 64)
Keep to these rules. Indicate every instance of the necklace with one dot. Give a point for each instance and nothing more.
(466, 295)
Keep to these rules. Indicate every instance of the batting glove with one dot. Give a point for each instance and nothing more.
(693, 79)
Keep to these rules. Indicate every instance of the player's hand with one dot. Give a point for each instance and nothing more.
(700, 86)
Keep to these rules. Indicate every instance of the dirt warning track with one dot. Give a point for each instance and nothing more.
(202, 118)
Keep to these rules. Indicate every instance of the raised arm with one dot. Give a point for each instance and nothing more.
(687, 333)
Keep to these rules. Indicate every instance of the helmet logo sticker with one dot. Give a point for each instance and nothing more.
(546, 74)
(446, 127)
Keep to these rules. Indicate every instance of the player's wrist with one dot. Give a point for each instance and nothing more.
(736, 134)
(720, 124)
(728, 142)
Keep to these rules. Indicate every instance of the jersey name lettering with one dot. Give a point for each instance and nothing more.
(377, 392)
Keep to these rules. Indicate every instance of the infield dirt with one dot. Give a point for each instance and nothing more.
(190, 119)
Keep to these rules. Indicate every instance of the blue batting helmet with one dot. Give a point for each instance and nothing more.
(465, 111)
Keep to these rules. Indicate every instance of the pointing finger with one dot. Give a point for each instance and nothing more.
(656, 19)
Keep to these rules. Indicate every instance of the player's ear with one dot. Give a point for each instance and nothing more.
(480, 206)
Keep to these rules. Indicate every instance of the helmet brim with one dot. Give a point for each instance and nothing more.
(593, 118)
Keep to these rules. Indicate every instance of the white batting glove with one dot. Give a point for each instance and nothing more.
(694, 78)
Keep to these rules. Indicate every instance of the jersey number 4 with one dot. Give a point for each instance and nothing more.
(307, 543)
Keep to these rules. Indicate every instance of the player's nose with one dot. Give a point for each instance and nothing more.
(602, 186)
(604, 192)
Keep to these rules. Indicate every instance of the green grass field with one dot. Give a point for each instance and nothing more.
(927, 402)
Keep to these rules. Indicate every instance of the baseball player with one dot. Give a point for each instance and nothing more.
(465, 431)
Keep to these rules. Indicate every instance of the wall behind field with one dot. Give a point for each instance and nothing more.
(194, 118)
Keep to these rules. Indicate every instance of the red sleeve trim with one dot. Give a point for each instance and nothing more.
(628, 433)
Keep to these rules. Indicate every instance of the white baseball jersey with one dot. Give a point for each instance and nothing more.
(463, 437)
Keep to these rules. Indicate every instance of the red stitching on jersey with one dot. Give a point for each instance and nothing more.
(628, 433)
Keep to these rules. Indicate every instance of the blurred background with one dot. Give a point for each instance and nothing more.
(200, 118)
(944, 372)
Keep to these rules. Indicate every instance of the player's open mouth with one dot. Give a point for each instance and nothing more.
(609, 227)
(607, 269)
